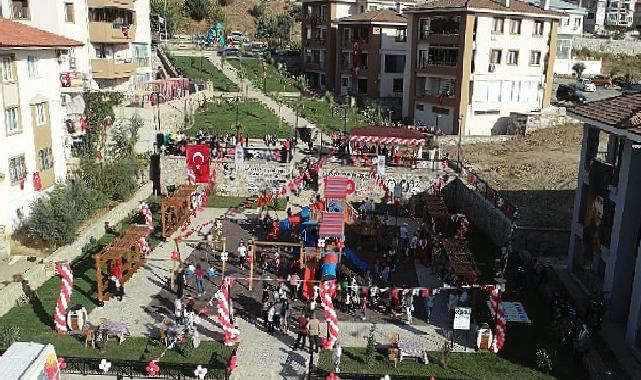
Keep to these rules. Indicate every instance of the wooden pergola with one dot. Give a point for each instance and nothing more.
(125, 248)
(175, 209)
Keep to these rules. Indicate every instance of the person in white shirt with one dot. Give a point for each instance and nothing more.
(178, 311)
(242, 254)
(336, 357)
(413, 244)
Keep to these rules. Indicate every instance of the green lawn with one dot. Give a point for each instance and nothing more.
(275, 80)
(320, 113)
(256, 120)
(35, 319)
(278, 204)
(460, 366)
(191, 68)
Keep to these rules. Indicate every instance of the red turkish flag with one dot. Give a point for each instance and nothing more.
(198, 161)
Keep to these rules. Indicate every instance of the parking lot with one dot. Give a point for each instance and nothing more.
(600, 93)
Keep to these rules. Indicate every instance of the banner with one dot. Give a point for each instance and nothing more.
(380, 165)
(198, 157)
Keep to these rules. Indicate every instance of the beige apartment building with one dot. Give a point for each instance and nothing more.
(473, 62)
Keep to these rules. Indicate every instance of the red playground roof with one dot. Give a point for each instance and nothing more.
(332, 225)
(336, 187)
(386, 135)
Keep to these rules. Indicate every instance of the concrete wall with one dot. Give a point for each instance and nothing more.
(542, 241)
(42, 271)
(523, 124)
(480, 212)
(564, 66)
(628, 47)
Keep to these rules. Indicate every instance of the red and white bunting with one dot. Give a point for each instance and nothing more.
(230, 332)
(497, 312)
(328, 288)
(144, 209)
(142, 243)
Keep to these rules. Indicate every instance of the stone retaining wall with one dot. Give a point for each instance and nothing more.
(627, 47)
(42, 271)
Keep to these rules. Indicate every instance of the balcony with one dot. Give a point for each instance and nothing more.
(313, 20)
(108, 68)
(126, 4)
(429, 96)
(107, 32)
(20, 11)
(72, 82)
(315, 42)
(363, 44)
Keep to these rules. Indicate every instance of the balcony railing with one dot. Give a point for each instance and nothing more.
(72, 81)
(108, 68)
(126, 4)
(111, 32)
(424, 64)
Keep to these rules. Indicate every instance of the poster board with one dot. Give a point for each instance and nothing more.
(462, 316)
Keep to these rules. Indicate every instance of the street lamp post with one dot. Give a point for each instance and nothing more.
(345, 121)
(460, 135)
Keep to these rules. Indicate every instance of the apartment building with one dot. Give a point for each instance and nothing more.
(605, 243)
(473, 62)
(609, 14)
(595, 19)
(116, 37)
(320, 39)
(371, 57)
(31, 139)
(637, 17)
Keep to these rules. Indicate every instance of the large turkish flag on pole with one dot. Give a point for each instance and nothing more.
(198, 161)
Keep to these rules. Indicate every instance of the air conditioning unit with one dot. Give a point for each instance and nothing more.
(72, 63)
(62, 56)
(491, 68)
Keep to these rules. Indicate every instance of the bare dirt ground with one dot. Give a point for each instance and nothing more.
(537, 173)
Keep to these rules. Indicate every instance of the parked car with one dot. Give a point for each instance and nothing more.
(620, 81)
(632, 89)
(602, 80)
(586, 85)
(569, 94)
(231, 51)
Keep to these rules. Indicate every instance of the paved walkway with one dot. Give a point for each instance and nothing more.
(286, 113)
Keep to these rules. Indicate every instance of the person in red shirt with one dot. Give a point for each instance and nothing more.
(302, 331)
(200, 279)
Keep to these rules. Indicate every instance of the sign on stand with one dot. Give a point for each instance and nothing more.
(380, 165)
(239, 156)
(462, 317)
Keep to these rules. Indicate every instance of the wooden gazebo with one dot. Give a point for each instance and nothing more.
(125, 248)
(175, 209)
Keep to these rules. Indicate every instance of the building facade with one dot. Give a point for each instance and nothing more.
(473, 62)
(32, 156)
(320, 40)
(372, 48)
(116, 37)
(609, 14)
(605, 244)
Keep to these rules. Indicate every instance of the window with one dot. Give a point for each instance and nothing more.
(17, 169)
(41, 113)
(566, 21)
(69, 14)
(20, 9)
(345, 82)
(515, 26)
(7, 68)
(442, 55)
(12, 120)
(394, 64)
(363, 60)
(512, 57)
(423, 28)
(497, 25)
(563, 49)
(401, 35)
(538, 28)
(397, 85)
(346, 60)
(362, 86)
(577, 23)
(347, 35)
(420, 107)
(32, 65)
(535, 58)
(495, 56)
(45, 159)
(440, 111)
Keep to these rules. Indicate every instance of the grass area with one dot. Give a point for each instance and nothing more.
(523, 340)
(201, 69)
(320, 113)
(35, 319)
(460, 366)
(255, 119)
(275, 81)
(278, 204)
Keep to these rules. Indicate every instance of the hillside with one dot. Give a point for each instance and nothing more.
(236, 17)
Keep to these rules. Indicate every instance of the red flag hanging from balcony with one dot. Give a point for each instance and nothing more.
(356, 52)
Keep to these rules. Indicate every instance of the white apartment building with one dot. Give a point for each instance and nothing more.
(116, 37)
(32, 133)
(473, 62)
(604, 13)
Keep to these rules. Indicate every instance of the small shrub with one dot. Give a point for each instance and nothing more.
(8, 336)
(370, 351)
(115, 178)
(56, 216)
(198, 9)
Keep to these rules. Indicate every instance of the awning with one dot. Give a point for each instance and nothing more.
(385, 135)
(332, 225)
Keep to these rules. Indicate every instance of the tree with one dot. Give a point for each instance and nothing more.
(578, 68)
(216, 14)
(197, 9)
(257, 10)
(169, 12)
(370, 351)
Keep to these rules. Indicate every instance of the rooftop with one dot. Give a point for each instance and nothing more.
(482, 5)
(15, 34)
(383, 15)
(620, 112)
(561, 6)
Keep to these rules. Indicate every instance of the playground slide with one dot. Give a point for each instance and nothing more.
(308, 286)
(353, 257)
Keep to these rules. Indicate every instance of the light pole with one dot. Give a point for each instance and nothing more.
(345, 121)
(460, 135)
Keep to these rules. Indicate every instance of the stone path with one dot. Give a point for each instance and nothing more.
(286, 113)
